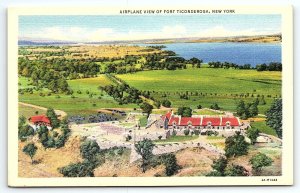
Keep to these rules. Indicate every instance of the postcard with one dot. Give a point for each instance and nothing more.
(161, 96)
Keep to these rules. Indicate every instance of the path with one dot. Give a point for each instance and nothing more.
(58, 112)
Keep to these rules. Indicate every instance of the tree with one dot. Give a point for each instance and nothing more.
(85, 169)
(253, 110)
(274, 117)
(157, 104)
(199, 106)
(30, 150)
(166, 103)
(252, 134)
(184, 111)
(236, 170)
(218, 166)
(262, 101)
(240, 108)
(186, 132)
(215, 106)
(170, 161)
(259, 161)
(23, 129)
(89, 149)
(144, 148)
(22, 121)
(146, 108)
(236, 145)
(53, 118)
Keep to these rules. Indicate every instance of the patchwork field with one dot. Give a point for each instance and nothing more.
(85, 51)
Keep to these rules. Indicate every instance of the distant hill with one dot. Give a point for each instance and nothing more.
(275, 38)
(42, 43)
(256, 39)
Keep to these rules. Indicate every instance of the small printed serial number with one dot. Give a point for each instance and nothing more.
(269, 179)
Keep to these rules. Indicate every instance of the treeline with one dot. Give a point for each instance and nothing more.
(227, 65)
(272, 66)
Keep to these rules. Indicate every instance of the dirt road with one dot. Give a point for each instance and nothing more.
(58, 112)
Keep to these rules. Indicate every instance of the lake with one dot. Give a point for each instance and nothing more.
(239, 53)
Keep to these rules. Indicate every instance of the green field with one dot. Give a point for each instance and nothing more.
(216, 85)
(82, 103)
(29, 111)
(206, 112)
(262, 127)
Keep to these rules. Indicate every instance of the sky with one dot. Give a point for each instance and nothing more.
(138, 27)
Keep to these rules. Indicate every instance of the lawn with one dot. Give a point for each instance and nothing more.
(143, 121)
(212, 85)
(177, 139)
(205, 112)
(262, 127)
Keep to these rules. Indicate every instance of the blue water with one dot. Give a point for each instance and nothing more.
(239, 53)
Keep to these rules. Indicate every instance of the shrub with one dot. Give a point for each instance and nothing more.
(259, 161)
(85, 169)
(197, 132)
(159, 137)
(236, 145)
(211, 133)
(174, 133)
(186, 132)
(128, 137)
(252, 134)
(89, 149)
(170, 161)
(236, 170)
(199, 106)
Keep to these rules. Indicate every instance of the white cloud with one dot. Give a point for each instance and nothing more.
(108, 34)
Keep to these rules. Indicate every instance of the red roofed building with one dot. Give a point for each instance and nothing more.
(174, 121)
(232, 121)
(40, 120)
(211, 121)
(190, 122)
(200, 122)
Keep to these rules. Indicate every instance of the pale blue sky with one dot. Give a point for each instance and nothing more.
(125, 27)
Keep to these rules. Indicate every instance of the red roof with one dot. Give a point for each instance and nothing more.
(215, 121)
(168, 115)
(40, 118)
(192, 120)
(174, 120)
(233, 121)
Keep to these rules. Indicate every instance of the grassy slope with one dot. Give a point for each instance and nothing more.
(224, 82)
(262, 127)
(82, 103)
(29, 111)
